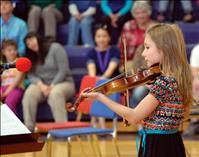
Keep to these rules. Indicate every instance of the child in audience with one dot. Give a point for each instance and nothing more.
(11, 79)
(103, 60)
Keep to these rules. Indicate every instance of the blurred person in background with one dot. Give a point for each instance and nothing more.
(103, 60)
(194, 61)
(138, 63)
(81, 20)
(12, 27)
(134, 29)
(12, 87)
(49, 12)
(50, 79)
(193, 128)
(115, 14)
(185, 4)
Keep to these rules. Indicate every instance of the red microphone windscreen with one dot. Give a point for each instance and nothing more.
(23, 64)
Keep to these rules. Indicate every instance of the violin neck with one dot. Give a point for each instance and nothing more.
(78, 101)
(98, 88)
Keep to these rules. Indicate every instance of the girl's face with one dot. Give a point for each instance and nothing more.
(151, 53)
(10, 52)
(102, 38)
(141, 15)
(32, 44)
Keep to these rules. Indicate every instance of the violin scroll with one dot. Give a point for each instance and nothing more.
(70, 107)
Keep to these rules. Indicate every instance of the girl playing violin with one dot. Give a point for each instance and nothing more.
(162, 111)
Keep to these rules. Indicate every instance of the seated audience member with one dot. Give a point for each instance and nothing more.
(12, 27)
(11, 79)
(50, 79)
(186, 6)
(193, 128)
(138, 63)
(116, 13)
(49, 12)
(81, 20)
(138, 93)
(103, 60)
(134, 30)
(194, 61)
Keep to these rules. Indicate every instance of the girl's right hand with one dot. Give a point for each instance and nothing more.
(102, 78)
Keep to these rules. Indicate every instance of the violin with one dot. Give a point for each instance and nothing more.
(121, 83)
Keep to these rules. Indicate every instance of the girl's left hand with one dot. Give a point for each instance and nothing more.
(102, 78)
(92, 95)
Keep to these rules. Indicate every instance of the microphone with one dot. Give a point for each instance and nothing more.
(22, 64)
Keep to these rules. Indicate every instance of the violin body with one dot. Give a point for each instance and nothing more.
(121, 84)
(129, 82)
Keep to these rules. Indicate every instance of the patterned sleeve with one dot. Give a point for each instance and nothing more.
(160, 90)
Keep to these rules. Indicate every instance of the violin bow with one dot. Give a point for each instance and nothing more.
(124, 64)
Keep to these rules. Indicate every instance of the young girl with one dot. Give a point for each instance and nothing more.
(11, 79)
(103, 60)
(162, 111)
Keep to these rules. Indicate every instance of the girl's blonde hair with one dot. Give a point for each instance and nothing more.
(169, 39)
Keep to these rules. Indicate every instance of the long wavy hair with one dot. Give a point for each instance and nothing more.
(169, 39)
(44, 46)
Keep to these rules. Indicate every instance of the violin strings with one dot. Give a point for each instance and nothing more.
(128, 73)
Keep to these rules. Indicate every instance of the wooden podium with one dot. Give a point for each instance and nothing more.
(20, 143)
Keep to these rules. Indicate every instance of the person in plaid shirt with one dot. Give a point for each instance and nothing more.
(134, 29)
